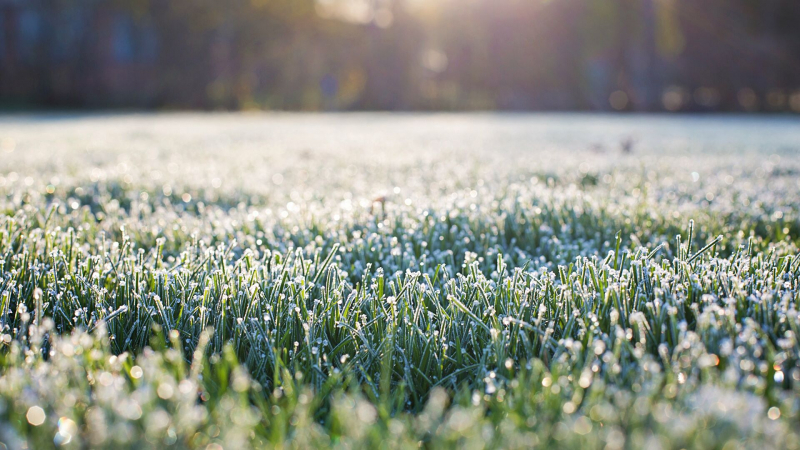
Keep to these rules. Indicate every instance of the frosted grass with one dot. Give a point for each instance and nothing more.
(396, 281)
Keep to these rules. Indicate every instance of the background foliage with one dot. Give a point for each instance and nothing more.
(731, 55)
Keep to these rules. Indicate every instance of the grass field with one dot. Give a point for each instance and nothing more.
(467, 281)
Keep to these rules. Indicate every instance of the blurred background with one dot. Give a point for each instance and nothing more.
(602, 55)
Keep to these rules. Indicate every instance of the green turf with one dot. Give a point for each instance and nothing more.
(159, 291)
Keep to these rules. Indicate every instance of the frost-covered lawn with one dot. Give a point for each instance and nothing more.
(399, 281)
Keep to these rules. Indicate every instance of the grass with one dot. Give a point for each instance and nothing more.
(475, 299)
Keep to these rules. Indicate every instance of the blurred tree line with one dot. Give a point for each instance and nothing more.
(641, 55)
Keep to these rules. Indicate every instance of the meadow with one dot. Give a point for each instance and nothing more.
(399, 281)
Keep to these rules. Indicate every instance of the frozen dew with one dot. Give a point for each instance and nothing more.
(35, 415)
(67, 429)
(136, 372)
(165, 391)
